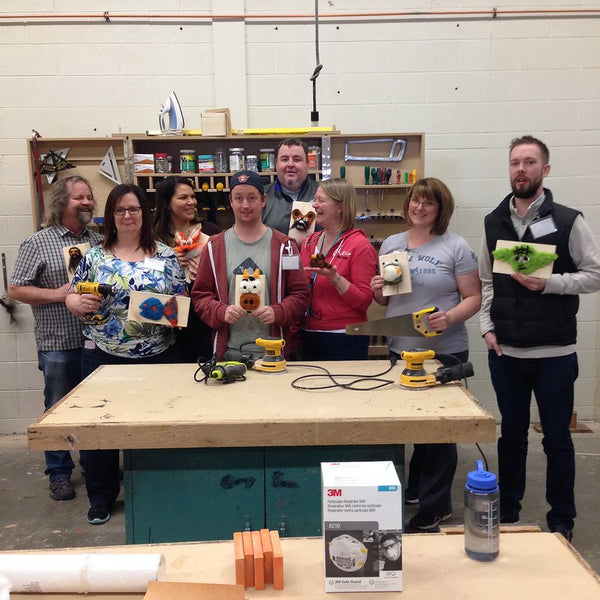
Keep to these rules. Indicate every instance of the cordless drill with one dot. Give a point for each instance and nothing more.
(102, 290)
(226, 371)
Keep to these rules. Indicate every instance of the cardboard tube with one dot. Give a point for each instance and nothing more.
(81, 573)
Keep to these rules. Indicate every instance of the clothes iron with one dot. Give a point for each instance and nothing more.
(172, 108)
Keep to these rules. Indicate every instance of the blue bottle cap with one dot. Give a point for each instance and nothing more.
(481, 480)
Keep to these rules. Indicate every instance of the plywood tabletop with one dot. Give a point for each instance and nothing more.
(162, 406)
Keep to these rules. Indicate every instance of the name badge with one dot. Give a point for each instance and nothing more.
(289, 260)
(543, 227)
(290, 263)
(154, 264)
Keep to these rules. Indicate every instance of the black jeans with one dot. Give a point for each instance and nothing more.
(552, 381)
(432, 466)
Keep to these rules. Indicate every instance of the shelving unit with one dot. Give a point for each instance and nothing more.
(380, 206)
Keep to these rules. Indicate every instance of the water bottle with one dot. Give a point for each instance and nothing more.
(482, 536)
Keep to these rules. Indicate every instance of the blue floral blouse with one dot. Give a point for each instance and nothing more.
(161, 274)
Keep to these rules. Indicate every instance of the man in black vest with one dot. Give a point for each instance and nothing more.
(530, 327)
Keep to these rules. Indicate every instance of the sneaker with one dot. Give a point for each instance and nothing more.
(423, 522)
(61, 489)
(565, 532)
(509, 517)
(410, 498)
(98, 515)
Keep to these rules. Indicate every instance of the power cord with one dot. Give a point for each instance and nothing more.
(334, 378)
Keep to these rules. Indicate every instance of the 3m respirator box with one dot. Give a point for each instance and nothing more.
(362, 526)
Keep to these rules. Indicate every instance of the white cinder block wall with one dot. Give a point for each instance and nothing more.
(470, 83)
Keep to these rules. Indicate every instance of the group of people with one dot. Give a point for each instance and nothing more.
(528, 323)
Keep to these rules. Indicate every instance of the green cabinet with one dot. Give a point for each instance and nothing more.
(177, 495)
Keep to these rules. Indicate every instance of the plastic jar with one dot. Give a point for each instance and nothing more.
(220, 161)
(161, 163)
(236, 159)
(206, 163)
(187, 161)
(267, 159)
(252, 162)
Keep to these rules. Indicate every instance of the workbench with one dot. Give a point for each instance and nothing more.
(202, 461)
(530, 565)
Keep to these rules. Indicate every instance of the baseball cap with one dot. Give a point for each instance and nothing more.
(247, 178)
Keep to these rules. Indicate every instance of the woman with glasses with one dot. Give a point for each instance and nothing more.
(176, 216)
(443, 273)
(129, 259)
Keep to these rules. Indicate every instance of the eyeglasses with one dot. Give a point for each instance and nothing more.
(132, 210)
(427, 204)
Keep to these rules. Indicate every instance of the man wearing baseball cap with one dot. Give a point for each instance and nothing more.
(249, 261)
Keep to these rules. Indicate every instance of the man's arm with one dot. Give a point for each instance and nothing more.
(36, 296)
(585, 255)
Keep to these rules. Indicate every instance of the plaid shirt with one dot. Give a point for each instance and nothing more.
(41, 263)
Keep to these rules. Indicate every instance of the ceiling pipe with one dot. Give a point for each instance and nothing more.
(493, 13)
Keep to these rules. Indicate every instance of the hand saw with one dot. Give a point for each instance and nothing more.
(400, 325)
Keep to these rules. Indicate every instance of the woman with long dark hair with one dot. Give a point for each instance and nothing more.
(176, 219)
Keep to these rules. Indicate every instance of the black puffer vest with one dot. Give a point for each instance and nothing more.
(521, 317)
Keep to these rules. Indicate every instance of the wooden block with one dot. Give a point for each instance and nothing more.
(238, 549)
(259, 561)
(267, 548)
(277, 561)
(248, 559)
(164, 590)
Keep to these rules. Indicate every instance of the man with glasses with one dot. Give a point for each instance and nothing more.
(41, 279)
(292, 184)
(268, 262)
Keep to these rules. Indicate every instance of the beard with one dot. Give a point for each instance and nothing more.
(527, 192)
(84, 217)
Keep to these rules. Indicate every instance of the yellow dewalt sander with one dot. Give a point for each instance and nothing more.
(414, 376)
(273, 360)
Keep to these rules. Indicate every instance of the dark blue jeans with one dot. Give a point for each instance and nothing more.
(102, 466)
(62, 372)
(552, 381)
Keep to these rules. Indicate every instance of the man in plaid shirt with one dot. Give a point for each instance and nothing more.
(41, 278)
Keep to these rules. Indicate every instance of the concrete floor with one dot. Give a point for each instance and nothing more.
(29, 518)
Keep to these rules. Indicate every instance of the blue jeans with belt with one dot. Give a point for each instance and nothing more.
(62, 372)
(552, 381)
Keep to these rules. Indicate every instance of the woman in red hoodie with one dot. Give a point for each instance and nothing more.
(339, 262)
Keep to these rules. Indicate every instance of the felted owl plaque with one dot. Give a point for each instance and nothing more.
(396, 274)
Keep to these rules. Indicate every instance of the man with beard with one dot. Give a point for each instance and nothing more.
(292, 184)
(530, 327)
(40, 279)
